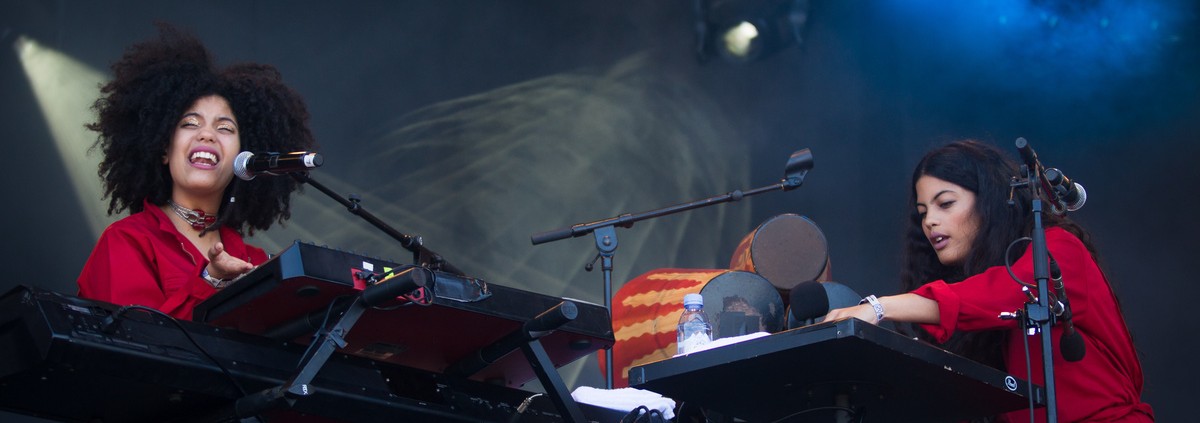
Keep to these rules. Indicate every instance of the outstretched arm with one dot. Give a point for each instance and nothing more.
(911, 308)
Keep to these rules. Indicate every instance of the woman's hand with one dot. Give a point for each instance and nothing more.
(223, 266)
(863, 312)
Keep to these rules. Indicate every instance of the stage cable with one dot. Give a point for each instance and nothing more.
(1024, 339)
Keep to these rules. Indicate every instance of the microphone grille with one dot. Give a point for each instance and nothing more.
(1078, 203)
(239, 166)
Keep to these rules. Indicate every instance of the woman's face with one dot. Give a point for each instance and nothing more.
(202, 149)
(948, 218)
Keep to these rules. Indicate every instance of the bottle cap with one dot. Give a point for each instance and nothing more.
(693, 299)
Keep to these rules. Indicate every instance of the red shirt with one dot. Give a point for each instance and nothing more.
(1106, 386)
(142, 259)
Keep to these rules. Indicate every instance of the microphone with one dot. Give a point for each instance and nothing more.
(1071, 342)
(1072, 194)
(247, 165)
(1062, 194)
(811, 300)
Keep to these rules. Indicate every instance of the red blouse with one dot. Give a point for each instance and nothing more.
(142, 259)
(1106, 386)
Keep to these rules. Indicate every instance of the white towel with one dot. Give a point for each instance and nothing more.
(625, 399)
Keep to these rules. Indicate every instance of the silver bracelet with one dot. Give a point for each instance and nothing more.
(875, 304)
(216, 283)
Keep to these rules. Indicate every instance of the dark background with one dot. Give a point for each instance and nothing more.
(476, 123)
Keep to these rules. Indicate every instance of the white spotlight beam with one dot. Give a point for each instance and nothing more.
(65, 89)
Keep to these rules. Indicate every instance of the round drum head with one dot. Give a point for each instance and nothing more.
(739, 303)
(788, 249)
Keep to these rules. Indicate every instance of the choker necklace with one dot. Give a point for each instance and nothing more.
(197, 218)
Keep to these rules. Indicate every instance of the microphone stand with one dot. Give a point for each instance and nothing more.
(605, 232)
(421, 256)
(1038, 318)
(1039, 313)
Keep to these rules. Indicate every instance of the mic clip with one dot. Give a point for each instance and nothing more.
(1015, 183)
(1058, 309)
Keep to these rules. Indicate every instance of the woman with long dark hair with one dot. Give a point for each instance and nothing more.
(957, 284)
(170, 124)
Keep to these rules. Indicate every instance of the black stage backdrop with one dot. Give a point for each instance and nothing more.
(475, 123)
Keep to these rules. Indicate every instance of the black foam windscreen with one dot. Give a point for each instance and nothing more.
(811, 301)
(1071, 344)
(808, 300)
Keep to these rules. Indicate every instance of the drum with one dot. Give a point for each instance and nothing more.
(646, 312)
(786, 249)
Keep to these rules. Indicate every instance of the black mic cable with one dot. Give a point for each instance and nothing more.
(1071, 343)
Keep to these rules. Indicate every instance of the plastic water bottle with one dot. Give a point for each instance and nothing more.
(694, 329)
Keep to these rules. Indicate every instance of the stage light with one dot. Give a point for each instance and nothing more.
(738, 40)
(65, 89)
(743, 31)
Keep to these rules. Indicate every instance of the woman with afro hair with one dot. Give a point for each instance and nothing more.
(170, 124)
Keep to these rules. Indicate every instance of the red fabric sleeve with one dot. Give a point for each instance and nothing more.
(976, 302)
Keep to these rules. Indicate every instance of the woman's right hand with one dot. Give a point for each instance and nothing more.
(862, 312)
(223, 266)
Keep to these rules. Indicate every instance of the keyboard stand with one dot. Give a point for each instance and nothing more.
(527, 338)
(319, 352)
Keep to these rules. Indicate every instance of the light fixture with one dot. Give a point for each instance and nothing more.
(743, 31)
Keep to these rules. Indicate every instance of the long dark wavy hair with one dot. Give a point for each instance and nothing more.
(154, 84)
(987, 172)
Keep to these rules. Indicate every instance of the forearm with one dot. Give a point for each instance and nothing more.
(910, 308)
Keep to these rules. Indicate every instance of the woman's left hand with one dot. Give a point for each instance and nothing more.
(862, 312)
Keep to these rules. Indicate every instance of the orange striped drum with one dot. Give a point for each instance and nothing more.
(646, 311)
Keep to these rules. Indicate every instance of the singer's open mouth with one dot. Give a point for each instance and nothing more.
(204, 157)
